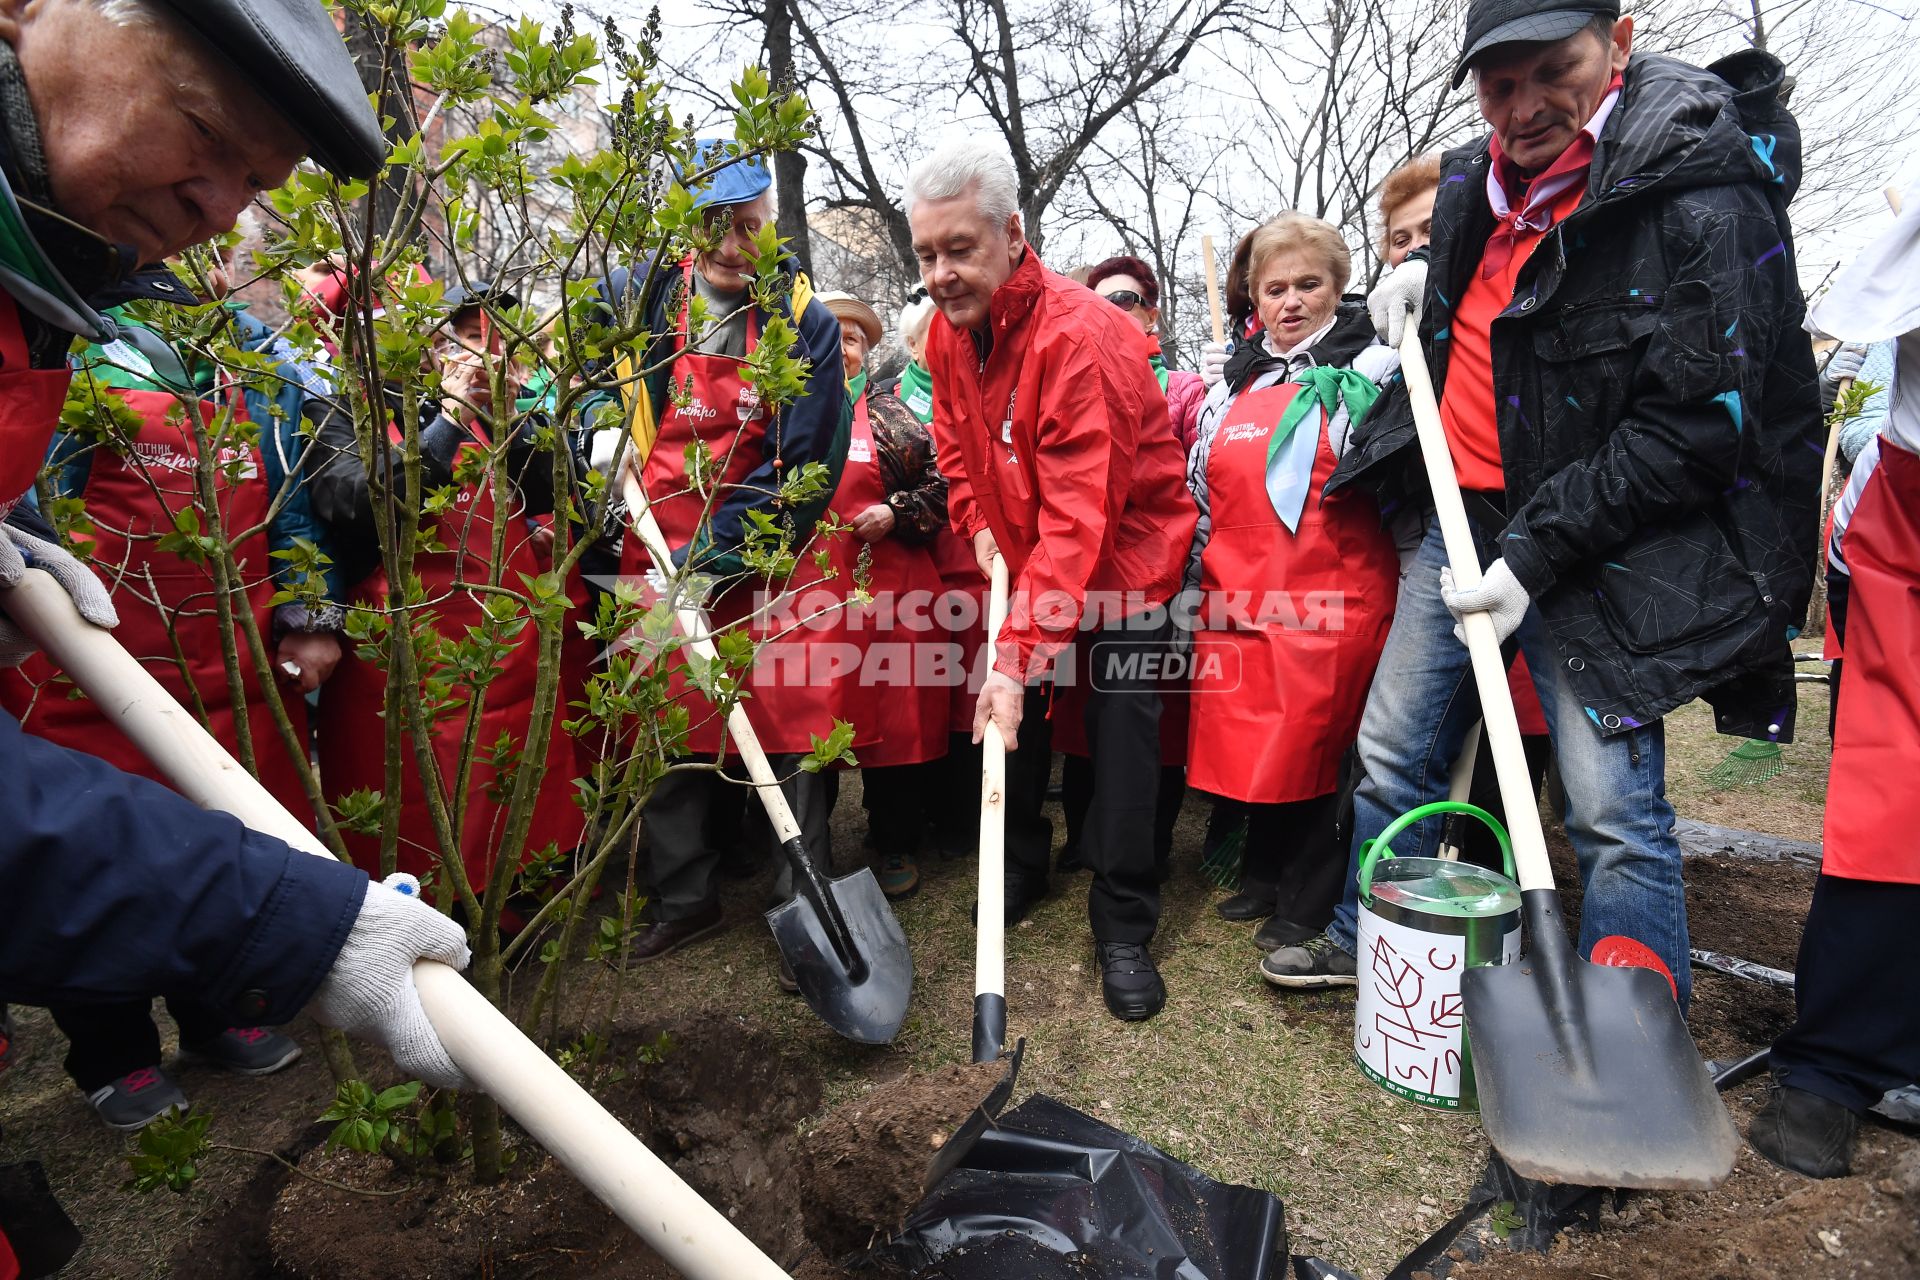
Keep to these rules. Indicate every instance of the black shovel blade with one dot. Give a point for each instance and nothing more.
(1586, 1073)
(864, 995)
(982, 1118)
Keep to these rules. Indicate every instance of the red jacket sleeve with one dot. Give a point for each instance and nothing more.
(962, 512)
(1089, 431)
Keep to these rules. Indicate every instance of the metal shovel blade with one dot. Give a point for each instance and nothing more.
(982, 1118)
(859, 987)
(1586, 1073)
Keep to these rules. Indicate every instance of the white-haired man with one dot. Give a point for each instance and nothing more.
(1053, 436)
(132, 130)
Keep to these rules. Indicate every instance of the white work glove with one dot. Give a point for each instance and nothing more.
(1213, 362)
(686, 591)
(369, 992)
(1401, 290)
(1846, 363)
(1499, 595)
(19, 551)
(601, 448)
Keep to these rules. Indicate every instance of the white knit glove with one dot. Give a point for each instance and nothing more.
(1499, 595)
(601, 448)
(1399, 293)
(684, 591)
(369, 992)
(1846, 363)
(1213, 362)
(19, 551)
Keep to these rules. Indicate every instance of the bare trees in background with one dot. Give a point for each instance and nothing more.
(1138, 125)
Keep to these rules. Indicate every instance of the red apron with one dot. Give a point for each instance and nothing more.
(30, 403)
(353, 732)
(962, 610)
(898, 703)
(1292, 622)
(1873, 808)
(804, 675)
(132, 498)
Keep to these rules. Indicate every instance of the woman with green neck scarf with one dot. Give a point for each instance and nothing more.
(1294, 590)
(895, 502)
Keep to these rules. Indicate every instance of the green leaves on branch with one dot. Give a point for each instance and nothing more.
(834, 749)
(169, 1152)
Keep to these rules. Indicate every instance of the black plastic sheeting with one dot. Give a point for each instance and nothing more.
(1050, 1193)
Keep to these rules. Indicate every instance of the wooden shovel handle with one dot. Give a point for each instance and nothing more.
(693, 621)
(989, 945)
(1213, 289)
(562, 1117)
(1483, 645)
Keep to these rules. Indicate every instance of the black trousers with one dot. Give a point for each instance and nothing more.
(107, 1041)
(899, 799)
(1076, 798)
(1481, 847)
(1296, 858)
(682, 856)
(1118, 663)
(1856, 1030)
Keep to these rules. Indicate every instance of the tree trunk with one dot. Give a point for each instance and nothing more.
(789, 167)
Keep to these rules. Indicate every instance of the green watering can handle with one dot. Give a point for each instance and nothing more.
(1373, 850)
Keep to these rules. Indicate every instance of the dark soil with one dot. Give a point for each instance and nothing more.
(866, 1162)
(1763, 1223)
(722, 1108)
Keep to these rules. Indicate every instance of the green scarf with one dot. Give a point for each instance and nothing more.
(1159, 363)
(857, 386)
(1290, 454)
(916, 390)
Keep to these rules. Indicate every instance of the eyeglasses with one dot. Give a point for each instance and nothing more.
(1126, 299)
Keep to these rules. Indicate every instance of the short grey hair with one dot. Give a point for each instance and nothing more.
(974, 164)
(127, 13)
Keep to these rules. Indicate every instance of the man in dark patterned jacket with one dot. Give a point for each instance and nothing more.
(1613, 322)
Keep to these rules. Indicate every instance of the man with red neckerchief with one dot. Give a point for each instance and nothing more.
(1611, 316)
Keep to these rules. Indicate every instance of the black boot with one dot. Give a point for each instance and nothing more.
(1244, 906)
(1129, 981)
(1805, 1132)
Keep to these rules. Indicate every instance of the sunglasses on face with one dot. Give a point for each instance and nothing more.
(1126, 299)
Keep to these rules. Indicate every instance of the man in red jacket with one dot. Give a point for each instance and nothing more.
(1052, 433)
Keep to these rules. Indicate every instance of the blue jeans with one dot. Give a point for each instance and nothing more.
(1418, 712)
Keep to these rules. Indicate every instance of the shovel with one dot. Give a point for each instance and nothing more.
(990, 927)
(839, 937)
(1586, 1073)
(689, 1233)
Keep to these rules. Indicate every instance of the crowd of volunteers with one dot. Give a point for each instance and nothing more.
(1226, 585)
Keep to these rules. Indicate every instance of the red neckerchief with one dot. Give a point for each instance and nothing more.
(1525, 212)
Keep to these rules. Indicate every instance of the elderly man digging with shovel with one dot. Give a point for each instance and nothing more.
(113, 887)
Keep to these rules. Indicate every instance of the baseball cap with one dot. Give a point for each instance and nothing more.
(1495, 22)
(738, 183)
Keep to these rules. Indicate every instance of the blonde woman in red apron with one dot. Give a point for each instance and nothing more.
(352, 728)
(1295, 591)
(698, 391)
(1856, 1030)
(136, 485)
(893, 498)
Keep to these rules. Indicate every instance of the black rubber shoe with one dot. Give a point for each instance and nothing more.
(1243, 906)
(1805, 1132)
(1129, 981)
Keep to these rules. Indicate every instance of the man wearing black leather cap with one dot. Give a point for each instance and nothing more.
(113, 887)
(1611, 315)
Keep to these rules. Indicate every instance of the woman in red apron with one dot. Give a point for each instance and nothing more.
(352, 726)
(1296, 591)
(136, 483)
(895, 501)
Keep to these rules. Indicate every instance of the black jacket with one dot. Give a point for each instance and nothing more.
(1658, 413)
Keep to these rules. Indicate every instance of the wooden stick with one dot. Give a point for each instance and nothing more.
(1213, 289)
(989, 938)
(1483, 644)
(547, 1102)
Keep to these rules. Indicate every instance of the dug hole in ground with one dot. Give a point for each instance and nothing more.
(808, 1141)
